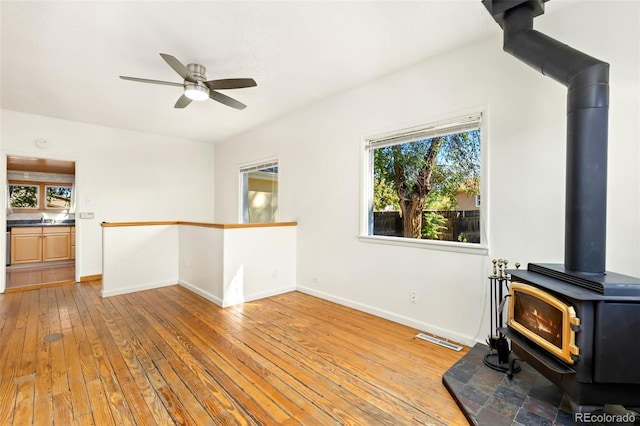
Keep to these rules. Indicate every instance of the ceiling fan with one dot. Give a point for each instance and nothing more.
(196, 87)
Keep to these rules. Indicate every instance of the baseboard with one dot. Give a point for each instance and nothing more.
(400, 319)
(125, 290)
(248, 298)
(90, 278)
(265, 294)
(210, 297)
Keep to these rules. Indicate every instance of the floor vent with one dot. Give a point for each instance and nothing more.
(438, 341)
(52, 337)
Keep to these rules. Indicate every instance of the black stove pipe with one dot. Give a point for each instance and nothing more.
(587, 80)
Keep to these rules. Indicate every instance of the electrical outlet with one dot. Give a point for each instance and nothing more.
(274, 274)
(316, 280)
(413, 297)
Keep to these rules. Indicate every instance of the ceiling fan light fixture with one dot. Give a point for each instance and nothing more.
(196, 92)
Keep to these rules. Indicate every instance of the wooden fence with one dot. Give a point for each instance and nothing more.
(460, 225)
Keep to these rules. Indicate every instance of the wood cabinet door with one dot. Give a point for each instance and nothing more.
(26, 248)
(56, 247)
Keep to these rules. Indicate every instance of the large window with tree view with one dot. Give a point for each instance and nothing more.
(425, 182)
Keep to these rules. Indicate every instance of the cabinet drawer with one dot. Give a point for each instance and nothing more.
(56, 230)
(23, 231)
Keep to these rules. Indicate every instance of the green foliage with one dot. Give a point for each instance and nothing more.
(463, 238)
(433, 225)
(384, 196)
(23, 196)
(457, 167)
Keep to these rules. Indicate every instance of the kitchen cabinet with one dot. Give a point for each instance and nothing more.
(26, 245)
(56, 243)
(72, 250)
(42, 244)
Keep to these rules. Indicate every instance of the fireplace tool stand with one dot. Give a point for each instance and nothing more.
(499, 358)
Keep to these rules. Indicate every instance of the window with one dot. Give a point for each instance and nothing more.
(39, 196)
(424, 183)
(24, 196)
(58, 197)
(260, 192)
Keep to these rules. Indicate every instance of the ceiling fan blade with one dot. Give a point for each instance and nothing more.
(182, 102)
(179, 67)
(230, 83)
(224, 99)
(146, 80)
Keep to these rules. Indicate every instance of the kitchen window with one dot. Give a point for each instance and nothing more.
(24, 196)
(58, 197)
(39, 196)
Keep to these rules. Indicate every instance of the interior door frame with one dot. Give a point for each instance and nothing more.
(3, 215)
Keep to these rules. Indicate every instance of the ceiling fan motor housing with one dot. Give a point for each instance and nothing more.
(197, 90)
(198, 71)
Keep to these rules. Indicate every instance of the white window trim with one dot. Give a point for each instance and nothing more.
(252, 166)
(366, 189)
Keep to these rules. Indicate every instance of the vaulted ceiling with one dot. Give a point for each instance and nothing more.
(63, 58)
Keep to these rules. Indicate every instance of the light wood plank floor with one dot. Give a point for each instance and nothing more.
(43, 275)
(168, 356)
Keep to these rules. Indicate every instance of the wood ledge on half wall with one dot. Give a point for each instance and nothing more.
(203, 224)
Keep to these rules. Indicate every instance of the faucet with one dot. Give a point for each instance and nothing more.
(42, 218)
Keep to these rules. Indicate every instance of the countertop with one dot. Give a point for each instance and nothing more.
(36, 223)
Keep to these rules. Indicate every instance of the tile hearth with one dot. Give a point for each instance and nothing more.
(488, 397)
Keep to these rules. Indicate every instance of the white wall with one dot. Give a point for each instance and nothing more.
(235, 265)
(319, 150)
(201, 261)
(258, 262)
(139, 258)
(120, 175)
(226, 266)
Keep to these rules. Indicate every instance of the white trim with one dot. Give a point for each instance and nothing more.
(368, 143)
(262, 295)
(210, 297)
(126, 290)
(426, 131)
(452, 246)
(400, 319)
(246, 168)
(259, 166)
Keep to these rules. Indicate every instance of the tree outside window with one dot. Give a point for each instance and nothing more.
(39, 196)
(58, 197)
(22, 196)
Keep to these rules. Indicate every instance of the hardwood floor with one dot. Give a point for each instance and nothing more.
(42, 275)
(168, 356)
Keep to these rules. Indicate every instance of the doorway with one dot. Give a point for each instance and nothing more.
(40, 223)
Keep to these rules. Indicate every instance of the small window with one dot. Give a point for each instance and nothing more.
(424, 182)
(41, 196)
(58, 197)
(260, 192)
(24, 196)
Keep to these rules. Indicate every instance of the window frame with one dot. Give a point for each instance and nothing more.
(56, 185)
(42, 196)
(25, 183)
(243, 172)
(366, 185)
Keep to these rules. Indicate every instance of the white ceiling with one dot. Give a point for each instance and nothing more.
(63, 58)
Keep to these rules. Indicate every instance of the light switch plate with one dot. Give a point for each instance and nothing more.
(87, 215)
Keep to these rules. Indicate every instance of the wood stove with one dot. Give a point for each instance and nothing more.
(582, 335)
